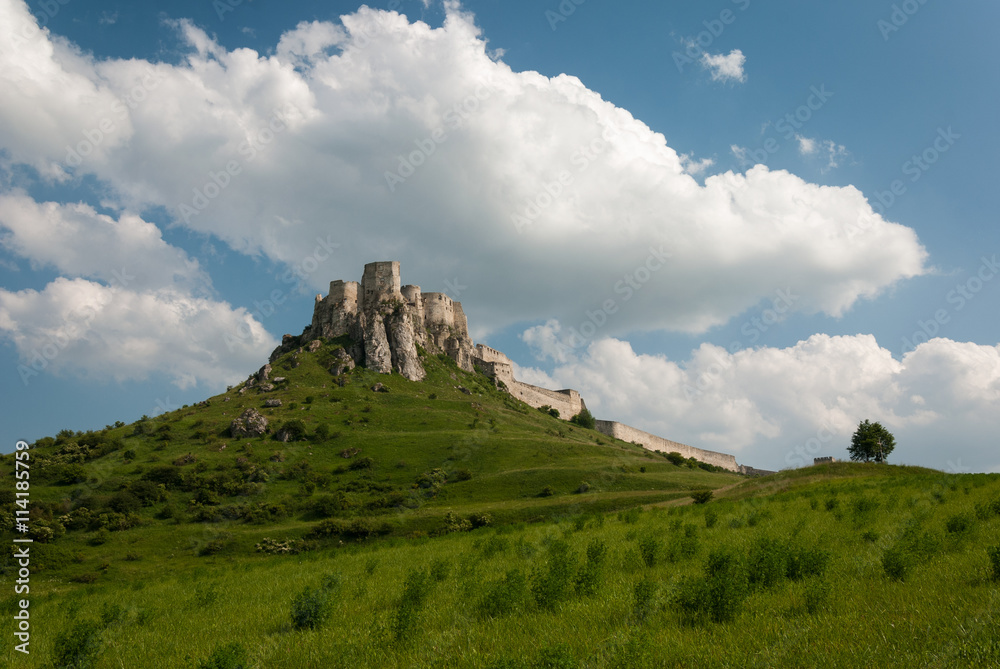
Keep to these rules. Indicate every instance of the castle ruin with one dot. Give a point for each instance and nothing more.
(387, 321)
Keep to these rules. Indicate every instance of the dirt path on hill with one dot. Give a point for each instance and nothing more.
(684, 501)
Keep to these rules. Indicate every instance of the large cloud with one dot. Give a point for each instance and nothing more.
(407, 142)
(776, 408)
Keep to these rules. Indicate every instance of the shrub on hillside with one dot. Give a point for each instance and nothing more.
(291, 430)
(78, 646)
(994, 555)
(504, 596)
(310, 608)
(701, 496)
(716, 596)
(551, 584)
(228, 656)
(415, 591)
(584, 419)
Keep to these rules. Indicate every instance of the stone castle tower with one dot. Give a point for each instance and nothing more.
(388, 321)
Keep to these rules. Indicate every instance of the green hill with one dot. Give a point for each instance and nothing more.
(413, 459)
(444, 524)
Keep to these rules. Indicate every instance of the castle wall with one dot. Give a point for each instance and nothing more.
(568, 402)
(487, 354)
(654, 443)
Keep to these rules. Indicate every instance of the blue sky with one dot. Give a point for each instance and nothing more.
(745, 226)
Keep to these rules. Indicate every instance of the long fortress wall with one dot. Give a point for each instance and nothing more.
(654, 443)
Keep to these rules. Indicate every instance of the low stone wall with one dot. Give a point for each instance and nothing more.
(654, 443)
(567, 402)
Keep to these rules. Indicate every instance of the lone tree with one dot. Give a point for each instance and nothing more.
(870, 442)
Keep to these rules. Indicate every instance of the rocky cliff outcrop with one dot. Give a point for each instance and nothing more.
(387, 323)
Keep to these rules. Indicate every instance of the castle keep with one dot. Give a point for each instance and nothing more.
(387, 321)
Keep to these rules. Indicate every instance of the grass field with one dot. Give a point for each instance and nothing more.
(480, 533)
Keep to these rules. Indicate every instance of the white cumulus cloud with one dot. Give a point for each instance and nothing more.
(776, 408)
(725, 67)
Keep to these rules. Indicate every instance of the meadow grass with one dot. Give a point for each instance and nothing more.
(803, 585)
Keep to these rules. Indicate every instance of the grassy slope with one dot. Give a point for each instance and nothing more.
(512, 452)
(944, 613)
(164, 603)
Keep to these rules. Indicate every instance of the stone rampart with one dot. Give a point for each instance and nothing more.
(654, 443)
(567, 402)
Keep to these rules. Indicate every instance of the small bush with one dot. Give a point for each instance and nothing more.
(831, 503)
(716, 596)
(994, 555)
(588, 579)
(504, 596)
(481, 519)
(558, 656)
(582, 488)
(711, 518)
(440, 569)
(310, 608)
(701, 496)
(461, 475)
(650, 548)
(361, 463)
(766, 563)
(584, 419)
(896, 563)
(817, 593)
(870, 536)
(644, 598)
(415, 591)
(676, 458)
(547, 491)
(79, 646)
(551, 585)
(959, 523)
(229, 656)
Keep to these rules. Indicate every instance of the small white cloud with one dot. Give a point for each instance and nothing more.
(695, 167)
(725, 67)
(807, 146)
(833, 153)
(108, 18)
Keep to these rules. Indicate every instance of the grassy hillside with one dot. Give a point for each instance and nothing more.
(420, 459)
(444, 524)
(848, 567)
